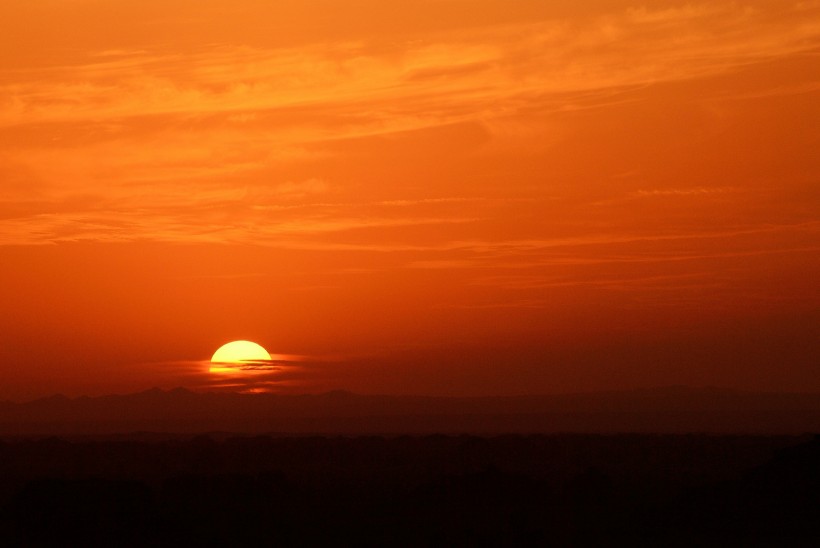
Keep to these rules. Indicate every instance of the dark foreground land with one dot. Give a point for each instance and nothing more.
(555, 490)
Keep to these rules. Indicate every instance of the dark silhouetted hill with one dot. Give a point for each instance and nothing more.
(675, 409)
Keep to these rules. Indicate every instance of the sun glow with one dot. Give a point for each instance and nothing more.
(238, 352)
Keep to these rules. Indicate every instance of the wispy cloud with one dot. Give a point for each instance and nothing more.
(126, 226)
(181, 145)
(472, 70)
(697, 191)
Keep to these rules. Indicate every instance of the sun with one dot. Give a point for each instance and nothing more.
(240, 352)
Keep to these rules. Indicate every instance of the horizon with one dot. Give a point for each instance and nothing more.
(206, 391)
(666, 410)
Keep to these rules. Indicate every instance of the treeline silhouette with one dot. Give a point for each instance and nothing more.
(555, 490)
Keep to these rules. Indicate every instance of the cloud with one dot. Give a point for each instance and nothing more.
(200, 144)
(442, 264)
(460, 75)
(244, 226)
(685, 13)
(247, 365)
(275, 375)
(696, 191)
(301, 189)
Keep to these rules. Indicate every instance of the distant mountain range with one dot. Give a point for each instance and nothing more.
(662, 410)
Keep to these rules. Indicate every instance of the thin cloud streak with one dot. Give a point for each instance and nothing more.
(283, 372)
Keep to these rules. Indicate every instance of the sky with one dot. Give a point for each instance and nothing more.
(443, 197)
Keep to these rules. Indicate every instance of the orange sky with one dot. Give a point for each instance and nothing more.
(426, 196)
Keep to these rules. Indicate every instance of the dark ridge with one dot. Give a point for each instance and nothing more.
(669, 409)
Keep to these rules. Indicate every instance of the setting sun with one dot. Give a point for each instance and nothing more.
(240, 352)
